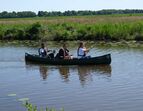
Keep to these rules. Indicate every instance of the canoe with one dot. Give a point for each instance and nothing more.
(104, 59)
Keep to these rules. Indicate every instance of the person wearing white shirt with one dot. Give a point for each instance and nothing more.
(82, 51)
(42, 51)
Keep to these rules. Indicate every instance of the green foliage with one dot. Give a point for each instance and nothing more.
(14, 32)
(33, 33)
(10, 33)
(31, 107)
(76, 28)
(13, 14)
(24, 14)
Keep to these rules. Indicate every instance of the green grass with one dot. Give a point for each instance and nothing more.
(101, 27)
(31, 107)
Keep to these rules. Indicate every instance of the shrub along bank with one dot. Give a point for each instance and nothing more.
(73, 31)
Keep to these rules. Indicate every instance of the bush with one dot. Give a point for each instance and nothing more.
(33, 33)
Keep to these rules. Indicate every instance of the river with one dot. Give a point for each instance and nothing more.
(115, 87)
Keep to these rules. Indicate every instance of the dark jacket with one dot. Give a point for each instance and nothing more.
(62, 53)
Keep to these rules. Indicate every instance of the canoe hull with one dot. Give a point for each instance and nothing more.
(105, 59)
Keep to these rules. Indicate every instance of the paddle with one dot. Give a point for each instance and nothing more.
(91, 47)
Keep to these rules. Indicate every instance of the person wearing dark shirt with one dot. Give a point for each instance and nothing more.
(64, 53)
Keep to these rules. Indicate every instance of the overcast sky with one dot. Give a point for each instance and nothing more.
(64, 5)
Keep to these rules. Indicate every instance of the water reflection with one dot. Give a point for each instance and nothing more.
(85, 73)
(43, 71)
(64, 72)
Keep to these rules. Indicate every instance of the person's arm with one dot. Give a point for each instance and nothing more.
(66, 52)
(49, 50)
(85, 50)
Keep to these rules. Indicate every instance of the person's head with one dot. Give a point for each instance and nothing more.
(42, 45)
(64, 46)
(81, 45)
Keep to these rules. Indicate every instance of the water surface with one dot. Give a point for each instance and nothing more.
(115, 87)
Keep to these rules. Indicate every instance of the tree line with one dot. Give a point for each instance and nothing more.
(25, 14)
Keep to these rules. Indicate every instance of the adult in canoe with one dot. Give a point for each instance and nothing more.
(43, 52)
(64, 53)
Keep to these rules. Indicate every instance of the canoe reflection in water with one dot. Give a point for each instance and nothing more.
(85, 73)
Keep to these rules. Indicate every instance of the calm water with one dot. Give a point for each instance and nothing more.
(117, 87)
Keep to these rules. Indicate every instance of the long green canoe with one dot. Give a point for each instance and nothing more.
(104, 59)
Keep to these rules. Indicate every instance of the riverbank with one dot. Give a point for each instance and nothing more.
(74, 44)
(95, 28)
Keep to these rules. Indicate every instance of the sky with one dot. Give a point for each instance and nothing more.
(64, 5)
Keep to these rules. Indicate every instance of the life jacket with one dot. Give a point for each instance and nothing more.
(63, 52)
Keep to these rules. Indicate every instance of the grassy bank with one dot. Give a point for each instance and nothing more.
(103, 27)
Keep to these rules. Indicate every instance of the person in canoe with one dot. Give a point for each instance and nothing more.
(82, 51)
(64, 53)
(43, 52)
